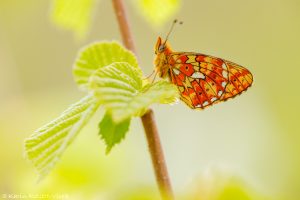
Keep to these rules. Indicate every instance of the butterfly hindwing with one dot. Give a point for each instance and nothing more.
(240, 79)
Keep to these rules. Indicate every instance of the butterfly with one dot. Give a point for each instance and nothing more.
(202, 80)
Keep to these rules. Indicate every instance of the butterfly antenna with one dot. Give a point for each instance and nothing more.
(171, 29)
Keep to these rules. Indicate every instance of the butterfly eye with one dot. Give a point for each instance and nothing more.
(161, 48)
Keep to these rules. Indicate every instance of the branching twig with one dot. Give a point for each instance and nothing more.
(152, 135)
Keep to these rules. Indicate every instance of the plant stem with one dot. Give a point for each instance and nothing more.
(124, 25)
(157, 155)
(154, 144)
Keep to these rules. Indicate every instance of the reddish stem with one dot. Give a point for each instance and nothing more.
(154, 144)
(157, 155)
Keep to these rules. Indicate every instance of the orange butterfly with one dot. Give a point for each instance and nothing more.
(202, 80)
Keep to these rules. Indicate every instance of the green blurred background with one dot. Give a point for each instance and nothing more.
(246, 148)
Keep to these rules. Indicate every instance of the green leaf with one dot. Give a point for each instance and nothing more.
(160, 92)
(119, 88)
(112, 133)
(47, 144)
(157, 12)
(98, 55)
(74, 15)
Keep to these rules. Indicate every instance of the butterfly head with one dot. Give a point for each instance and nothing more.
(161, 46)
(163, 51)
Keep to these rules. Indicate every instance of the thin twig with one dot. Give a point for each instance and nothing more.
(124, 25)
(155, 148)
(157, 155)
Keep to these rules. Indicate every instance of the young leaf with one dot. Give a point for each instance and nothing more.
(98, 55)
(74, 15)
(112, 133)
(157, 12)
(46, 145)
(119, 88)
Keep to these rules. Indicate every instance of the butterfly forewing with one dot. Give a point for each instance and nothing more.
(201, 79)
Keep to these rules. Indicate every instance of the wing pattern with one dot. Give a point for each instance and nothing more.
(240, 79)
(204, 80)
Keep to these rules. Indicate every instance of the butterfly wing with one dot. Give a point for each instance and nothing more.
(240, 79)
(203, 80)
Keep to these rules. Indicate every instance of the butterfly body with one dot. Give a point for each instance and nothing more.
(202, 80)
